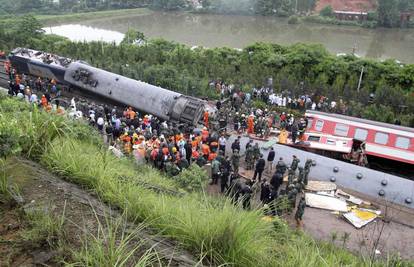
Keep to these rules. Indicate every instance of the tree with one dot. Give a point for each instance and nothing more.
(388, 14)
(327, 11)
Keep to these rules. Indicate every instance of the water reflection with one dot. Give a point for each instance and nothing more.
(239, 31)
(77, 32)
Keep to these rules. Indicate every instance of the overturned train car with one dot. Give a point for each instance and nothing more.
(163, 103)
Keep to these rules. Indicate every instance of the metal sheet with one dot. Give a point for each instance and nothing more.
(397, 189)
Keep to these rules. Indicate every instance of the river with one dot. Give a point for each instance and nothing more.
(239, 31)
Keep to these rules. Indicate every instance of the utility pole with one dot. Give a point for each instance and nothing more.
(296, 7)
(360, 79)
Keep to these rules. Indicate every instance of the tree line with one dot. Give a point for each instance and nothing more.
(386, 92)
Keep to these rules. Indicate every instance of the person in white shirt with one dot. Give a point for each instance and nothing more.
(222, 144)
(33, 98)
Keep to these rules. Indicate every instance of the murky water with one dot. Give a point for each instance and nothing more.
(240, 31)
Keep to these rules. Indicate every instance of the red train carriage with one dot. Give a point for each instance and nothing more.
(382, 140)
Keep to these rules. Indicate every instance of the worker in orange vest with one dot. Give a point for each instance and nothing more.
(250, 124)
(206, 118)
(204, 134)
(205, 149)
(212, 156)
(43, 101)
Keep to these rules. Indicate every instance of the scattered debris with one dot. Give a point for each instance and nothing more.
(318, 186)
(325, 202)
(348, 197)
(359, 217)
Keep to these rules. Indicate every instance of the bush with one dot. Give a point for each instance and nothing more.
(293, 20)
(327, 11)
(192, 179)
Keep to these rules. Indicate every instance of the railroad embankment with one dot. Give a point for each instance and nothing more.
(213, 230)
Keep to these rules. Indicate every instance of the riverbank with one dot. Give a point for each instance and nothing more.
(85, 16)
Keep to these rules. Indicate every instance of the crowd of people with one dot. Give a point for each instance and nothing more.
(171, 148)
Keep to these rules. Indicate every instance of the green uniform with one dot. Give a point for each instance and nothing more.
(235, 161)
(256, 152)
(294, 164)
(301, 209)
(249, 158)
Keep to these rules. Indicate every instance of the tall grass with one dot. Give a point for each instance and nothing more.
(114, 245)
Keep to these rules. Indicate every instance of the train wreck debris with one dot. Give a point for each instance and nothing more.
(165, 104)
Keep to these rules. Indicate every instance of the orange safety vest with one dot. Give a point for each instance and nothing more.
(204, 134)
(205, 149)
(212, 156)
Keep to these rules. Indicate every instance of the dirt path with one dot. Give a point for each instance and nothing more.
(42, 190)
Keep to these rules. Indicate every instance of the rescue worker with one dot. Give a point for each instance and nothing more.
(300, 212)
(205, 149)
(204, 135)
(295, 163)
(236, 145)
(222, 144)
(215, 171)
(291, 195)
(206, 118)
(283, 136)
(235, 160)
(256, 152)
(270, 159)
(260, 166)
(225, 169)
(250, 124)
(249, 159)
(281, 166)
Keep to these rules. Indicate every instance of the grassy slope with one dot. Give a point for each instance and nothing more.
(210, 227)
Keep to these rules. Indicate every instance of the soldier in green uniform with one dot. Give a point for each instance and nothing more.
(299, 212)
(301, 177)
(295, 163)
(291, 177)
(171, 169)
(235, 161)
(291, 195)
(201, 161)
(215, 171)
(256, 152)
(249, 158)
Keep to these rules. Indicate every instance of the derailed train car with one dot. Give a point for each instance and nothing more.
(163, 103)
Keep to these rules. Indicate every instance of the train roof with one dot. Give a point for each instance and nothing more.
(41, 57)
(359, 120)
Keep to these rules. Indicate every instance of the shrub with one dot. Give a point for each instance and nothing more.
(327, 11)
(192, 179)
(293, 20)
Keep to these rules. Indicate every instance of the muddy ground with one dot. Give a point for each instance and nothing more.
(41, 190)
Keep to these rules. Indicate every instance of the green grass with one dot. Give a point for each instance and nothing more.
(97, 15)
(44, 227)
(114, 245)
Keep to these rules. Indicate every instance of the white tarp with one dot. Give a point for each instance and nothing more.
(325, 202)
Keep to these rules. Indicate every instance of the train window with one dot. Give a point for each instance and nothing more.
(189, 111)
(310, 122)
(381, 138)
(330, 142)
(319, 125)
(402, 142)
(360, 134)
(314, 138)
(341, 129)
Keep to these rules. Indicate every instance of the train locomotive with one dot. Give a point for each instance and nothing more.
(165, 104)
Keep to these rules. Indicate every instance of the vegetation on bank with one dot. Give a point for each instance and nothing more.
(214, 229)
(386, 92)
